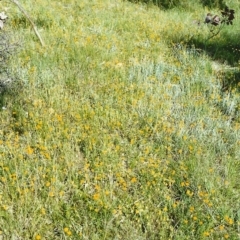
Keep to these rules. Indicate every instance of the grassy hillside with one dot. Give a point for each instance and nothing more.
(125, 125)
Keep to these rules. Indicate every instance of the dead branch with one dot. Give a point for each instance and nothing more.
(29, 19)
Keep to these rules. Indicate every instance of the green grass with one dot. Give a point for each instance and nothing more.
(118, 128)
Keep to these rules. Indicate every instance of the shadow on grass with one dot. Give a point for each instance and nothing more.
(166, 4)
(226, 50)
(229, 105)
(10, 91)
(1, 101)
(9, 80)
(231, 80)
(4, 94)
(213, 3)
